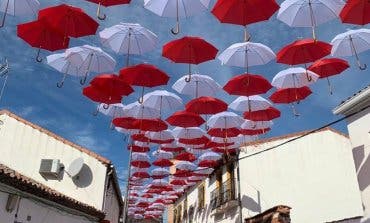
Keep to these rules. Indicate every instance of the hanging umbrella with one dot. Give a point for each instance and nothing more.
(162, 154)
(90, 59)
(195, 179)
(309, 13)
(107, 3)
(163, 137)
(179, 182)
(111, 84)
(125, 122)
(248, 124)
(225, 120)
(185, 119)
(159, 173)
(144, 75)
(114, 110)
(254, 132)
(251, 103)
(162, 100)
(263, 114)
(59, 62)
(199, 85)
(206, 105)
(224, 133)
(328, 67)
(140, 160)
(139, 137)
(246, 54)
(186, 156)
(142, 175)
(188, 133)
(247, 85)
(172, 147)
(39, 35)
(140, 111)
(290, 95)
(161, 162)
(138, 149)
(176, 9)
(210, 156)
(351, 43)
(99, 96)
(294, 77)
(128, 38)
(303, 51)
(356, 12)
(244, 12)
(69, 20)
(201, 171)
(190, 50)
(196, 141)
(18, 8)
(208, 163)
(152, 125)
(185, 165)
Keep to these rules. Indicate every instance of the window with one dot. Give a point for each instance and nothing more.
(231, 177)
(201, 196)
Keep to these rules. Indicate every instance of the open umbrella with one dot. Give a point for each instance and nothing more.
(152, 125)
(162, 162)
(185, 119)
(201, 140)
(328, 67)
(247, 85)
(190, 50)
(185, 165)
(111, 84)
(263, 114)
(18, 8)
(351, 43)
(90, 59)
(171, 147)
(188, 133)
(252, 125)
(163, 137)
(162, 100)
(356, 12)
(160, 173)
(144, 75)
(290, 95)
(186, 156)
(199, 85)
(176, 9)
(225, 120)
(99, 96)
(201, 171)
(224, 133)
(252, 103)
(128, 38)
(294, 77)
(140, 111)
(309, 13)
(107, 3)
(140, 160)
(40, 35)
(206, 105)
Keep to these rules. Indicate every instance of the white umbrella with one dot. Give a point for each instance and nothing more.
(251, 103)
(127, 131)
(114, 110)
(210, 156)
(309, 13)
(143, 144)
(137, 110)
(185, 165)
(160, 172)
(199, 85)
(18, 8)
(225, 120)
(254, 125)
(204, 170)
(90, 59)
(159, 182)
(128, 38)
(162, 135)
(188, 133)
(161, 99)
(160, 154)
(294, 77)
(176, 9)
(246, 54)
(351, 43)
(59, 62)
(140, 157)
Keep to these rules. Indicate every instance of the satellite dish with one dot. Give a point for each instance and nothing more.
(75, 167)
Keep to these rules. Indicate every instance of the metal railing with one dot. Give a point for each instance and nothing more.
(223, 194)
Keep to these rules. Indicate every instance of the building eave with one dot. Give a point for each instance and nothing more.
(354, 103)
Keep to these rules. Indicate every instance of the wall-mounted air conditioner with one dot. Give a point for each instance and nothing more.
(50, 168)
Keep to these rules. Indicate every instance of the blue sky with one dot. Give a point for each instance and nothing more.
(32, 92)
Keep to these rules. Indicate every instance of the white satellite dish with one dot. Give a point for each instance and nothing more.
(75, 167)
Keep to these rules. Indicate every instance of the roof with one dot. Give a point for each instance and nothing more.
(102, 159)
(267, 215)
(20, 182)
(292, 135)
(355, 102)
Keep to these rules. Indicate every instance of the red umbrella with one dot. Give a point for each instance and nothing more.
(208, 163)
(183, 173)
(223, 150)
(217, 144)
(141, 175)
(97, 95)
(356, 12)
(244, 12)
(111, 84)
(69, 20)
(290, 95)
(253, 132)
(224, 133)
(206, 105)
(186, 156)
(178, 182)
(126, 122)
(144, 75)
(262, 115)
(40, 35)
(163, 163)
(190, 50)
(197, 141)
(138, 149)
(140, 164)
(152, 125)
(140, 138)
(247, 85)
(328, 67)
(172, 149)
(185, 119)
(303, 51)
(107, 3)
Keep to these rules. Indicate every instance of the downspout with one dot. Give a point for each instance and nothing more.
(239, 190)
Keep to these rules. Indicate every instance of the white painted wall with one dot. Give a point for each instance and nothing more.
(112, 205)
(359, 132)
(22, 148)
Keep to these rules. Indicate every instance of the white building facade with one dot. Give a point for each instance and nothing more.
(24, 145)
(314, 175)
(357, 111)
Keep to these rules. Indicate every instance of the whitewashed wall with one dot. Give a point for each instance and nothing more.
(112, 205)
(22, 148)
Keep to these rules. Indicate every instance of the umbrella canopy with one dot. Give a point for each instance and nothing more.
(295, 77)
(90, 59)
(97, 95)
(162, 162)
(162, 154)
(311, 13)
(290, 95)
(246, 54)
(208, 163)
(160, 172)
(254, 132)
(303, 51)
(18, 8)
(40, 35)
(107, 3)
(196, 141)
(201, 171)
(199, 85)
(114, 110)
(351, 43)
(247, 85)
(248, 124)
(125, 122)
(139, 149)
(162, 100)
(69, 20)
(186, 156)
(262, 115)
(210, 156)
(252, 103)
(356, 12)
(152, 125)
(128, 38)
(206, 105)
(140, 111)
(185, 165)
(162, 137)
(225, 120)
(111, 84)
(224, 133)
(185, 119)
(59, 62)
(188, 133)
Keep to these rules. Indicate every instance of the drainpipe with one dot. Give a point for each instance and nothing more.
(239, 190)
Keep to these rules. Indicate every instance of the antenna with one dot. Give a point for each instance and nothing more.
(75, 167)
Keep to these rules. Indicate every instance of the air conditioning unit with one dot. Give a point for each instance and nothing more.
(50, 168)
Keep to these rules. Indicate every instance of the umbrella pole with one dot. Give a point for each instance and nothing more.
(38, 58)
(100, 16)
(247, 36)
(330, 86)
(188, 79)
(295, 111)
(360, 66)
(4, 16)
(176, 30)
(313, 23)
(83, 81)
(4, 85)
(60, 84)
(309, 78)
(128, 48)
(141, 99)
(96, 112)
(246, 61)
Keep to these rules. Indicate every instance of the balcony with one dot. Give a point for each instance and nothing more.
(224, 197)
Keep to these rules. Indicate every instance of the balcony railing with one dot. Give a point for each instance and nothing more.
(223, 194)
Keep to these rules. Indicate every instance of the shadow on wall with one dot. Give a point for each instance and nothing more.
(250, 204)
(362, 168)
(84, 178)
